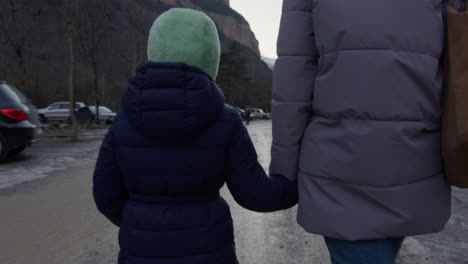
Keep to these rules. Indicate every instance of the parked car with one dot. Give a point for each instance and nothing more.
(257, 113)
(59, 111)
(87, 114)
(240, 111)
(17, 121)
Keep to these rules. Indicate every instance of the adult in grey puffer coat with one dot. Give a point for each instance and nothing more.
(356, 116)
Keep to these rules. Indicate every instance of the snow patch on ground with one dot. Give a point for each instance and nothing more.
(49, 156)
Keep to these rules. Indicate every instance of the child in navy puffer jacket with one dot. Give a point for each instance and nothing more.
(173, 146)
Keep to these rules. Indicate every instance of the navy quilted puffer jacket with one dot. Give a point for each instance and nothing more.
(162, 164)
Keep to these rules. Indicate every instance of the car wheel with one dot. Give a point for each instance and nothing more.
(3, 148)
(43, 119)
(17, 151)
(108, 122)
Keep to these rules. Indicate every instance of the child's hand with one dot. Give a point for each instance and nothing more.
(248, 182)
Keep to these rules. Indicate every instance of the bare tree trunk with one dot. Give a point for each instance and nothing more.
(134, 56)
(71, 74)
(15, 44)
(96, 90)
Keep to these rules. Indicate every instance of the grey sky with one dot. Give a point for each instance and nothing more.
(264, 18)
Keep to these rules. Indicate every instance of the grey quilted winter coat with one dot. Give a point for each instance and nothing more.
(356, 116)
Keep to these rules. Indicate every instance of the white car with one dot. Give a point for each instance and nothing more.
(106, 116)
(257, 113)
(59, 111)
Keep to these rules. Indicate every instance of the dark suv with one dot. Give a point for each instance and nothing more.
(17, 118)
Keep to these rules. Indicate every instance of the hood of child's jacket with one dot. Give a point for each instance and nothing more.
(172, 100)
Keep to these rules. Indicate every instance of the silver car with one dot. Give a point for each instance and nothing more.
(59, 111)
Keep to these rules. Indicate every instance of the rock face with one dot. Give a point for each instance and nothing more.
(234, 30)
(229, 21)
(109, 42)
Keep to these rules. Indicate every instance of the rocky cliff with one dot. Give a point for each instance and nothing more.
(109, 40)
(232, 24)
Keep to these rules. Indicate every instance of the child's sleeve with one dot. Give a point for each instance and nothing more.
(248, 182)
(108, 185)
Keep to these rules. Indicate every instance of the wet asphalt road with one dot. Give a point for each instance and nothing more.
(48, 216)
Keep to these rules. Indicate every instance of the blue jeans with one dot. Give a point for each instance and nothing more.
(384, 251)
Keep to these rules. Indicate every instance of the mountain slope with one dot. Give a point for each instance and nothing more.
(270, 62)
(109, 44)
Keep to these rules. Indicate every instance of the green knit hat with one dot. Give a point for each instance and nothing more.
(185, 36)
